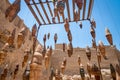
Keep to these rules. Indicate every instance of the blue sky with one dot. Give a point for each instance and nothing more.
(106, 13)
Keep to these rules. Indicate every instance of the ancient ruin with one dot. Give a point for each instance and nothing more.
(23, 57)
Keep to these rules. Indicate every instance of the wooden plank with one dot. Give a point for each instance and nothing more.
(49, 8)
(68, 11)
(58, 18)
(90, 9)
(63, 17)
(69, 21)
(45, 11)
(40, 2)
(84, 8)
(38, 11)
(33, 12)
(73, 8)
(47, 2)
(79, 13)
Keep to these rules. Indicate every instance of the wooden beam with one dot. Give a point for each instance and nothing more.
(79, 13)
(44, 11)
(33, 12)
(63, 17)
(73, 8)
(90, 9)
(84, 8)
(41, 2)
(58, 18)
(68, 11)
(49, 8)
(38, 11)
(47, 2)
(69, 21)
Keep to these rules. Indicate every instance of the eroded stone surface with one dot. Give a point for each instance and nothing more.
(16, 56)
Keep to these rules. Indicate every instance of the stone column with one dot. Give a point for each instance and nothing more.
(36, 65)
(35, 71)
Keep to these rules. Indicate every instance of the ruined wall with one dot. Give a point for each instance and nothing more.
(14, 56)
(72, 66)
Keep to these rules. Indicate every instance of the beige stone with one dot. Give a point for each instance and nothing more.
(35, 71)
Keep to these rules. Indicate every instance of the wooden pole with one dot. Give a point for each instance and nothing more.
(90, 9)
(67, 3)
(84, 8)
(49, 8)
(73, 9)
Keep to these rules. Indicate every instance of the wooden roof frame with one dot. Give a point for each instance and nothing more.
(86, 15)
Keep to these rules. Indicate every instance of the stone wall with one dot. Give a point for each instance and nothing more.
(72, 67)
(14, 56)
